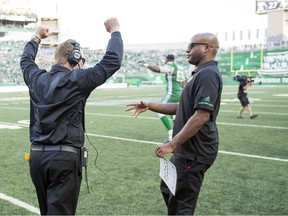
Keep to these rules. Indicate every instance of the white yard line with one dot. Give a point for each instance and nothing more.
(251, 125)
(151, 142)
(20, 203)
(156, 143)
(265, 113)
(220, 123)
(253, 156)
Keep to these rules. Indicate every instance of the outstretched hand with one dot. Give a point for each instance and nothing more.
(137, 108)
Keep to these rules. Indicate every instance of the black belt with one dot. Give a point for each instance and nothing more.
(55, 148)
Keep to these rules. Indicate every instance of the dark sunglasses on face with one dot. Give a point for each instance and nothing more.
(191, 45)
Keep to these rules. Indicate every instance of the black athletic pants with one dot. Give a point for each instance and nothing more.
(57, 177)
(190, 175)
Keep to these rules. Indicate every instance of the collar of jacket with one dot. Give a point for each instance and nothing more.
(59, 68)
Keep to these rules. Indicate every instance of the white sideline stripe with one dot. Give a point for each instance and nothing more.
(253, 156)
(20, 203)
(223, 123)
(223, 152)
(3, 126)
(14, 124)
(122, 116)
(154, 118)
(251, 125)
(258, 105)
(222, 110)
(125, 139)
(266, 113)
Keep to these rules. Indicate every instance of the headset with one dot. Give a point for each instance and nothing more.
(75, 55)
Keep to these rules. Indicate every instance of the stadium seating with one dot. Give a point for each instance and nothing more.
(244, 60)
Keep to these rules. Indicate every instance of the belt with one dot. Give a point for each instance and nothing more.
(46, 148)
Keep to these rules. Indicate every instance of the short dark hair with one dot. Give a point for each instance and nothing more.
(62, 51)
(170, 57)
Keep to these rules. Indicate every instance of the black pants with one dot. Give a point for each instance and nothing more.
(190, 175)
(57, 177)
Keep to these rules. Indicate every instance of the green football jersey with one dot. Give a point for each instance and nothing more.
(174, 79)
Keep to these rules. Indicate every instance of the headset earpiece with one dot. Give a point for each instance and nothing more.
(74, 56)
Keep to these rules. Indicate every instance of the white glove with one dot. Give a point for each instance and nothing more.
(143, 64)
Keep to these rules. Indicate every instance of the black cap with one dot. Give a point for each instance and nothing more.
(170, 57)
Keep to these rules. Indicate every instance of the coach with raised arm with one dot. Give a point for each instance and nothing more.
(57, 106)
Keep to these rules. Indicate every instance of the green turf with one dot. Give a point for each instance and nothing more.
(127, 182)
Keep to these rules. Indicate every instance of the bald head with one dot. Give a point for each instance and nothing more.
(208, 38)
(203, 47)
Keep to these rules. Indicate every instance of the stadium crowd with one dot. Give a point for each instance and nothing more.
(10, 52)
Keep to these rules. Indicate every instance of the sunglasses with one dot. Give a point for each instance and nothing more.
(191, 45)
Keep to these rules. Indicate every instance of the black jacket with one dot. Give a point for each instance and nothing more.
(58, 97)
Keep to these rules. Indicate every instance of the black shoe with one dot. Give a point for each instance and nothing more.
(253, 116)
(239, 117)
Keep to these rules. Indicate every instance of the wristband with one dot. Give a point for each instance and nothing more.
(36, 38)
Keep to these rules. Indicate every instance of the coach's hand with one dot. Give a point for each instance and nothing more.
(112, 24)
(42, 32)
(137, 108)
(163, 149)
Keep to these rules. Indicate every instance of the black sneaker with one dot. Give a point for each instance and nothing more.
(239, 117)
(253, 116)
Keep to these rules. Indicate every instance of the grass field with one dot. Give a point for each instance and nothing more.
(249, 177)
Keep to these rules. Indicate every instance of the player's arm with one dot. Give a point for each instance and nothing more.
(155, 68)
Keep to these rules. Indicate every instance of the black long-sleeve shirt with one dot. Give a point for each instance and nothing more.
(58, 97)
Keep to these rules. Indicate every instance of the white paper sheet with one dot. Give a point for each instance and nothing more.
(168, 174)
